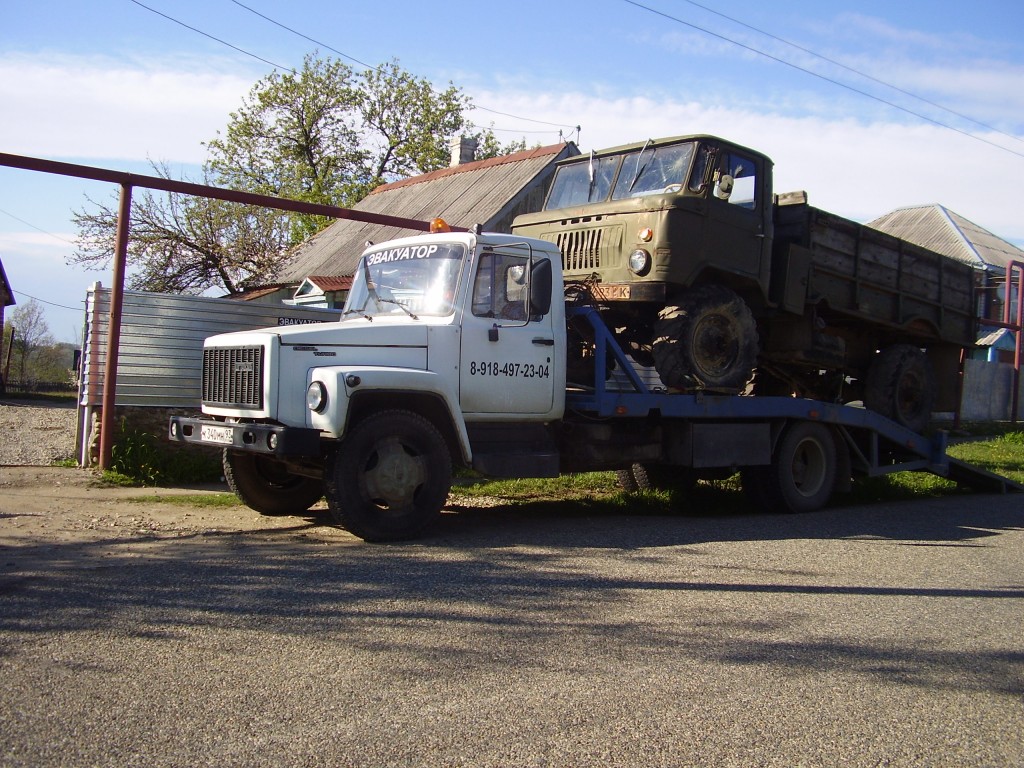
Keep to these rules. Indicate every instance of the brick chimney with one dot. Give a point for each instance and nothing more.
(463, 151)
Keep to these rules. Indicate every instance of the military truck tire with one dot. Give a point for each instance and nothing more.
(802, 475)
(656, 477)
(390, 477)
(900, 385)
(263, 484)
(706, 340)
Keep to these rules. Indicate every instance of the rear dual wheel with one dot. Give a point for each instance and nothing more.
(901, 385)
(803, 472)
(656, 477)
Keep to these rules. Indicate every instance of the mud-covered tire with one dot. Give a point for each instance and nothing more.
(390, 477)
(900, 385)
(803, 472)
(656, 477)
(707, 339)
(264, 484)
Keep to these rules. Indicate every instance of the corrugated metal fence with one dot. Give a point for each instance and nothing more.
(160, 360)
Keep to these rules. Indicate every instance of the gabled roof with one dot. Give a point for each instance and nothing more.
(486, 192)
(6, 292)
(939, 229)
(331, 282)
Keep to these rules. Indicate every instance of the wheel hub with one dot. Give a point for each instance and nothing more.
(394, 474)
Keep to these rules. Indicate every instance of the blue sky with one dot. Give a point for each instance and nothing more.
(114, 84)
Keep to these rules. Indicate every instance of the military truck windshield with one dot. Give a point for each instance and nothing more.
(412, 279)
(653, 170)
(587, 181)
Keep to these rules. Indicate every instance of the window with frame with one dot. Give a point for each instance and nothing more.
(500, 286)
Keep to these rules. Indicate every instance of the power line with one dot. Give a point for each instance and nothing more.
(370, 66)
(51, 303)
(823, 77)
(211, 37)
(854, 70)
(38, 229)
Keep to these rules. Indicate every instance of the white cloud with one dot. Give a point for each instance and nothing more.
(92, 107)
(856, 169)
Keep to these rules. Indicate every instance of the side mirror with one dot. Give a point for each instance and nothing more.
(724, 187)
(540, 287)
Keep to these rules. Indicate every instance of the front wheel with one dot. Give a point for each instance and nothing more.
(802, 475)
(390, 477)
(706, 340)
(265, 485)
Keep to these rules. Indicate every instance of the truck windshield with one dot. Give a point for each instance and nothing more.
(650, 171)
(411, 279)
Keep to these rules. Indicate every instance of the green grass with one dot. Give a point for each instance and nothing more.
(203, 500)
(1002, 453)
(140, 458)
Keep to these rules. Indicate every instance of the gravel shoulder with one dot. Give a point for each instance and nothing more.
(36, 435)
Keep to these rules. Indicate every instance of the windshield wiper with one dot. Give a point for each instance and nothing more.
(639, 168)
(593, 177)
(405, 309)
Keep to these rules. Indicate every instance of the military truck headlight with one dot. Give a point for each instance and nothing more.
(316, 397)
(640, 261)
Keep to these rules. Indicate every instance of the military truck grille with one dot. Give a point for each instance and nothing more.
(581, 249)
(233, 376)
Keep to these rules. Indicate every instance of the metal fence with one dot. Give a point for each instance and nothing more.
(160, 359)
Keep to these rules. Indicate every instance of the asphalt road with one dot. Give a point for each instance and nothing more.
(886, 635)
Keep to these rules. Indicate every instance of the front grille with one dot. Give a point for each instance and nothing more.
(233, 376)
(581, 249)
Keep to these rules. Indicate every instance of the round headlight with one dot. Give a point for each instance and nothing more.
(640, 261)
(316, 397)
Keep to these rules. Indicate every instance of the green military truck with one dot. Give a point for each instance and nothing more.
(722, 285)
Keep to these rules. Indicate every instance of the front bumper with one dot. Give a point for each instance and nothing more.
(271, 439)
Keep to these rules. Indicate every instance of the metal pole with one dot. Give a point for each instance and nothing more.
(107, 415)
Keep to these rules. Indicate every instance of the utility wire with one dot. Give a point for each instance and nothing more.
(38, 229)
(855, 71)
(44, 301)
(370, 66)
(823, 77)
(211, 37)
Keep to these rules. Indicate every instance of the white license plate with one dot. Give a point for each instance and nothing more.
(221, 435)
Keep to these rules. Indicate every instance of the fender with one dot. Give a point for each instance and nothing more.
(344, 382)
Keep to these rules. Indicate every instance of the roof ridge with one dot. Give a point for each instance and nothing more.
(475, 165)
(964, 239)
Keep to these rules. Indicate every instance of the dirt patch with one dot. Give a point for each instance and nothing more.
(45, 508)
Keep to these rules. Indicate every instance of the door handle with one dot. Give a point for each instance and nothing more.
(544, 342)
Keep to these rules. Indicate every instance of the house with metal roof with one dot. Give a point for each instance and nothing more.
(488, 192)
(939, 229)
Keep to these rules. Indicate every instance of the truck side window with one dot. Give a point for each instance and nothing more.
(736, 181)
(499, 289)
(700, 168)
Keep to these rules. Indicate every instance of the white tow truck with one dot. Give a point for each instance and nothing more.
(466, 349)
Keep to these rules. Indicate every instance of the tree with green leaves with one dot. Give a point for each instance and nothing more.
(35, 356)
(324, 134)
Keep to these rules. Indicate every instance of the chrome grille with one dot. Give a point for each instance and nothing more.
(233, 376)
(581, 249)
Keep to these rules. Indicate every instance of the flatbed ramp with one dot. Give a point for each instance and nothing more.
(872, 444)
